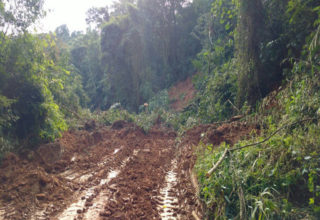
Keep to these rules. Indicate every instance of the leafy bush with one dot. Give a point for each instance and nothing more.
(217, 83)
(7, 118)
(34, 75)
(108, 117)
(216, 93)
(275, 180)
(159, 101)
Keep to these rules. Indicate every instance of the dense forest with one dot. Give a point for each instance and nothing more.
(259, 59)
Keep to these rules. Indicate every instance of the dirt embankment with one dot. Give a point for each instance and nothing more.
(181, 94)
(116, 172)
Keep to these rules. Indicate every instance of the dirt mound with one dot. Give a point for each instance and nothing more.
(216, 134)
(24, 186)
(181, 94)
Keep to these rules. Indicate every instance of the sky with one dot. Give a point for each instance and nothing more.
(69, 12)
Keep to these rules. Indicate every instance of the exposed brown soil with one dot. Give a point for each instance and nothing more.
(215, 134)
(181, 94)
(116, 172)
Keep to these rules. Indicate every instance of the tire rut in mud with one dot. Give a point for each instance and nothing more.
(119, 173)
(133, 192)
(168, 199)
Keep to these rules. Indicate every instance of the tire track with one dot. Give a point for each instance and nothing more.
(168, 200)
(97, 206)
(89, 202)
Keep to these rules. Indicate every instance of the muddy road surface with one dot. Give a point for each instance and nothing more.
(117, 172)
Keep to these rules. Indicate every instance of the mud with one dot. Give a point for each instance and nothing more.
(116, 172)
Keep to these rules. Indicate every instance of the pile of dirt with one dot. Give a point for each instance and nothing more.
(181, 94)
(215, 134)
(32, 180)
(25, 186)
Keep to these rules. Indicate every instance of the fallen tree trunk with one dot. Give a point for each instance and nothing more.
(218, 163)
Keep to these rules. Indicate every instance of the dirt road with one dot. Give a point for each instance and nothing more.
(106, 173)
(116, 172)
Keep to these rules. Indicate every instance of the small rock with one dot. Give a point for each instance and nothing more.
(41, 196)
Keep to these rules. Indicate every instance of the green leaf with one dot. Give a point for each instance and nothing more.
(311, 201)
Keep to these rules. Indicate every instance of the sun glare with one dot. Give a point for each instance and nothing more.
(69, 12)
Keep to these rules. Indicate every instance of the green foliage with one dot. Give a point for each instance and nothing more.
(62, 33)
(29, 76)
(7, 118)
(159, 101)
(216, 93)
(146, 47)
(18, 15)
(97, 16)
(268, 33)
(147, 120)
(245, 46)
(217, 83)
(250, 32)
(85, 55)
(54, 123)
(110, 116)
(276, 180)
(35, 79)
(279, 179)
(6, 145)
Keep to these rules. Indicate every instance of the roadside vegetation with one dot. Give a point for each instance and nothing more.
(277, 178)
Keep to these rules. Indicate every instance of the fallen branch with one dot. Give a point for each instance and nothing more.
(253, 144)
(218, 163)
(274, 133)
(195, 215)
(260, 142)
(235, 107)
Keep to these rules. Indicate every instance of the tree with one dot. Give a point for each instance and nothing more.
(63, 33)
(85, 54)
(97, 16)
(147, 46)
(250, 32)
(268, 33)
(18, 15)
